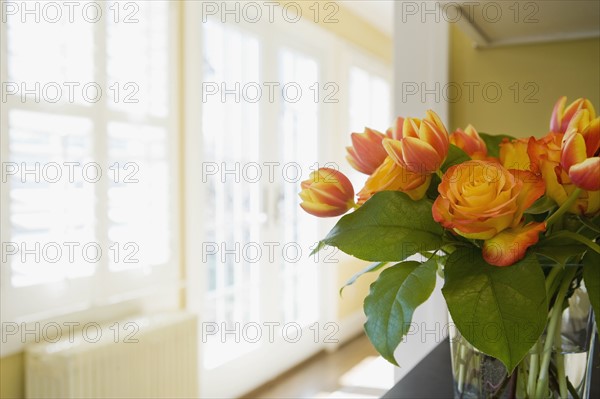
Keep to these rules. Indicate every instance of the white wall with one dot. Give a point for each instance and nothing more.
(420, 61)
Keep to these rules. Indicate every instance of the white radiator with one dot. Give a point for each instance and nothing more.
(161, 364)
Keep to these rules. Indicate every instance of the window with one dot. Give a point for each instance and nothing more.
(87, 173)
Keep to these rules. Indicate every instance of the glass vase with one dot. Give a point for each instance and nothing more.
(477, 375)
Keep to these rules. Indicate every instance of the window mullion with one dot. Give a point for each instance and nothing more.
(100, 154)
(269, 152)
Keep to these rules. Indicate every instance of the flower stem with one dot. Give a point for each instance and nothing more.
(439, 174)
(550, 280)
(560, 361)
(564, 207)
(553, 324)
(533, 370)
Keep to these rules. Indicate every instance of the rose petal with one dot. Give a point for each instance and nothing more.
(510, 245)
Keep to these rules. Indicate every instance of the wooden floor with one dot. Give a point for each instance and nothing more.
(323, 376)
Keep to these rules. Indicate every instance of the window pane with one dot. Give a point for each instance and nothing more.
(138, 196)
(138, 57)
(299, 129)
(51, 197)
(233, 216)
(64, 49)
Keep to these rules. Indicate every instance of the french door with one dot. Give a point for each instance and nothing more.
(253, 137)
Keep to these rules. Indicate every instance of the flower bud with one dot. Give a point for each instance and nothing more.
(326, 193)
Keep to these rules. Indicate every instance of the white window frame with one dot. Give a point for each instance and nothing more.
(105, 295)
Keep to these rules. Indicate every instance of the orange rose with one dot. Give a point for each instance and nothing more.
(547, 148)
(392, 177)
(513, 154)
(481, 199)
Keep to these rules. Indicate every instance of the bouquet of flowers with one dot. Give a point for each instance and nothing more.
(512, 225)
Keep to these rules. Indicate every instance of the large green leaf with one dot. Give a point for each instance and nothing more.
(388, 227)
(492, 142)
(591, 277)
(455, 156)
(393, 298)
(501, 311)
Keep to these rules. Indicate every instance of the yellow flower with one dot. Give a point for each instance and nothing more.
(327, 193)
(513, 154)
(392, 177)
(421, 146)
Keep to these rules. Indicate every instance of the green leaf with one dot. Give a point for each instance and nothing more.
(542, 205)
(569, 235)
(392, 300)
(432, 190)
(388, 227)
(591, 278)
(559, 249)
(455, 156)
(319, 247)
(590, 224)
(492, 142)
(501, 311)
(371, 268)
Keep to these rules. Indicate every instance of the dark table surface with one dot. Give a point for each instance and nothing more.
(432, 377)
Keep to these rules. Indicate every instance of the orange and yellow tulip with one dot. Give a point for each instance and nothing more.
(559, 187)
(470, 142)
(326, 193)
(366, 152)
(421, 146)
(392, 177)
(581, 149)
(561, 116)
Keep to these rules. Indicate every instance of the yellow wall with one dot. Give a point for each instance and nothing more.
(563, 68)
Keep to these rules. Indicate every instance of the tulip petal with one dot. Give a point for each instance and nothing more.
(436, 138)
(321, 210)
(510, 245)
(592, 138)
(586, 175)
(573, 151)
(557, 112)
(392, 177)
(395, 131)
